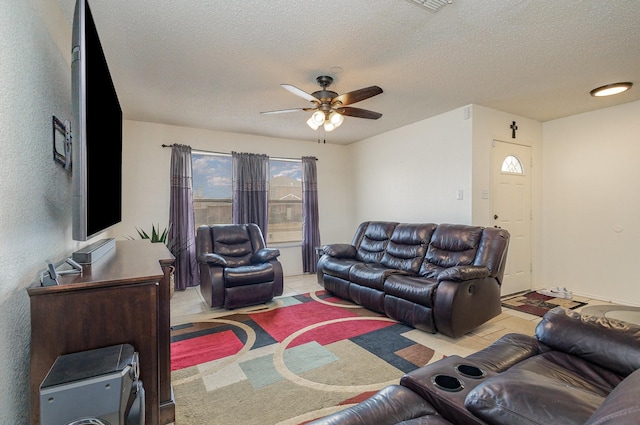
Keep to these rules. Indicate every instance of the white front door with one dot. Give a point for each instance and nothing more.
(511, 210)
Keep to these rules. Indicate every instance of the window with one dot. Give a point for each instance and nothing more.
(285, 201)
(512, 165)
(211, 188)
(212, 195)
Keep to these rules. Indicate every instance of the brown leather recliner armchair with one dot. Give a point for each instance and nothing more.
(236, 268)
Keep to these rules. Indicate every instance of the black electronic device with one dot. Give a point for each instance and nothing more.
(92, 252)
(100, 385)
(96, 133)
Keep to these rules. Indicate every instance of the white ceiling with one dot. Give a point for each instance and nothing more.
(217, 64)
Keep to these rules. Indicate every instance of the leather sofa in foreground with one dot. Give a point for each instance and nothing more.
(577, 370)
(438, 278)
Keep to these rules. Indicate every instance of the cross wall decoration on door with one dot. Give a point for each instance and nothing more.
(513, 128)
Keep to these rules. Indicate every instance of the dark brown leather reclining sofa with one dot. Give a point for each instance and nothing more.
(577, 370)
(438, 278)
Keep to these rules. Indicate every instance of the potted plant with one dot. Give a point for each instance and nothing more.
(158, 236)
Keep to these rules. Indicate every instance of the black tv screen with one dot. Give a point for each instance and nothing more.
(96, 133)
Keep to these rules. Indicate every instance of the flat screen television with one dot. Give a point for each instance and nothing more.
(96, 127)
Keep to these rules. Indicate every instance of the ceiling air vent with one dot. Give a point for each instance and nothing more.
(431, 5)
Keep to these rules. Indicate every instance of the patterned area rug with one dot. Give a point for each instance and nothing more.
(538, 304)
(289, 362)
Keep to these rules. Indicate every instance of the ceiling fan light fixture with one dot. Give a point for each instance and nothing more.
(318, 117)
(311, 123)
(336, 119)
(316, 120)
(611, 89)
(329, 106)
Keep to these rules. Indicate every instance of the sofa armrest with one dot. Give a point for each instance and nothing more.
(391, 405)
(340, 250)
(265, 255)
(507, 351)
(213, 259)
(459, 307)
(462, 273)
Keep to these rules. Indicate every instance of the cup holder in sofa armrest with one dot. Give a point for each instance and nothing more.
(470, 371)
(447, 383)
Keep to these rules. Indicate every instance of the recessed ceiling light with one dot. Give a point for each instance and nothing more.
(611, 89)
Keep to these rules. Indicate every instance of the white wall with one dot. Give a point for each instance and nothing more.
(146, 178)
(35, 225)
(412, 174)
(592, 203)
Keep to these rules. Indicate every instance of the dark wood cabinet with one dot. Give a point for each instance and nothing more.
(124, 297)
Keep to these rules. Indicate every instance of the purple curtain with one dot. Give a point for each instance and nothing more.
(250, 175)
(181, 220)
(310, 219)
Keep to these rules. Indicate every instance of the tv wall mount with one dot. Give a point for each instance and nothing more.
(62, 142)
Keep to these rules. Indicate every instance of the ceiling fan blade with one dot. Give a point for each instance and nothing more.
(282, 111)
(357, 95)
(298, 92)
(358, 113)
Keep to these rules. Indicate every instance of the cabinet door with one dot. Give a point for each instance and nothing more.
(70, 320)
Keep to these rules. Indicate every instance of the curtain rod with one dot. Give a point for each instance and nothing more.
(229, 154)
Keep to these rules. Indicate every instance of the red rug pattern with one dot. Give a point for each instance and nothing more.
(310, 352)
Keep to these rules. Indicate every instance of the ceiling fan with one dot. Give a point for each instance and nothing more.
(330, 107)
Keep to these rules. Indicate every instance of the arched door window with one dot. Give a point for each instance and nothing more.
(512, 165)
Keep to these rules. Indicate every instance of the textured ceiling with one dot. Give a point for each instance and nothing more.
(216, 65)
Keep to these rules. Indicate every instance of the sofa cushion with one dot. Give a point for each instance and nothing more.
(610, 343)
(233, 244)
(451, 245)
(593, 373)
(338, 267)
(571, 371)
(419, 290)
(523, 397)
(373, 242)
(408, 246)
(622, 406)
(416, 315)
(492, 251)
(248, 275)
(370, 275)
